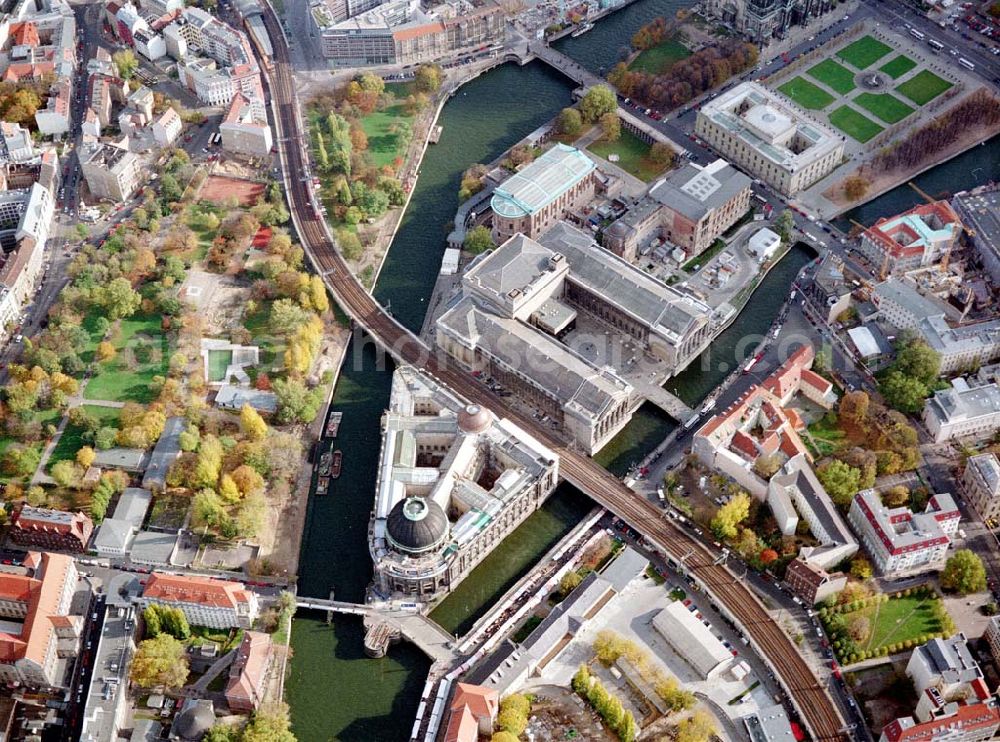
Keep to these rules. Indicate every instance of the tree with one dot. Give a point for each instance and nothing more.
(698, 727)
(785, 225)
(174, 622)
(105, 351)
(856, 187)
(598, 101)
(504, 737)
(569, 122)
(662, 154)
(730, 515)
(296, 402)
(767, 466)
(627, 728)
(511, 720)
(428, 78)
(479, 239)
(896, 496)
(208, 510)
(860, 628)
(252, 424)
(126, 63)
(151, 618)
(269, 724)
(767, 556)
(19, 460)
(841, 481)
(902, 392)
(222, 733)
(854, 406)
(66, 474)
(611, 127)
(120, 299)
(569, 582)
(964, 573)
(861, 568)
(371, 82)
(160, 662)
(85, 457)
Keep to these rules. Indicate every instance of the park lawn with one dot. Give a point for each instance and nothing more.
(886, 107)
(806, 94)
(71, 439)
(923, 87)
(633, 155)
(834, 75)
(272, 347)
(660, 58)
(196, 221)
(898, 620)
(898, 67)
(824, 439)
(864, 52)
(44, 417)
(854, 124)
(385, 143)
(115, 381)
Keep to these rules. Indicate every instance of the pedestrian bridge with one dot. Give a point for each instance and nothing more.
(385, 626)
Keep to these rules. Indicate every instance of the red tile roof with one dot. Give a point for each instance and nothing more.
(192, 589)
(24, 34)
(469, 705)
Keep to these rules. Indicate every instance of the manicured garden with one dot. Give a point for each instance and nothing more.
(661, 57)
(886, 107)
(885, 624)
(854, 124)
(923, 87)
(388, 133)
(864, 52)
(806, 94)
(835, 76)
(898, 67)
(140, 354)
(633, 155)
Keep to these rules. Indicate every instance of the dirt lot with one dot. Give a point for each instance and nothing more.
(219, 189)
(219, 299)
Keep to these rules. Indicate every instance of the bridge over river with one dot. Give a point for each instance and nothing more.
(811, 700)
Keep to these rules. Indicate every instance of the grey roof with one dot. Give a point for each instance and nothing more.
(568, 616)
(625, 568)
(696, 643)
(952, 404)
(234, 397)
(635, 217)
(113, 535)
(132, 506)
(571, 379)
(167, 449)
(695, 191)
(417, 524)
(949, 659)
(194, 720)
(769, 724)
(517, 263)
(153, 547)
(798, 477)
(651, 302)
(129, 459)
(146, 730)
(981, 337)
(988, 467)
(907, 297)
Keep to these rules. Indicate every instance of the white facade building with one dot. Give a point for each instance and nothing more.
(962, 411)
(217, 604)
(981, 480)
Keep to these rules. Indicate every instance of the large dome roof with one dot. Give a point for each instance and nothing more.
(194, 722)
(416, 525)
(474, 419)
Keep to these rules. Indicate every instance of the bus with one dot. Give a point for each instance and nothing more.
(217, 138)
(935, 45)
(966, 63)
(916, 34)
(750, 365)
(691, 421)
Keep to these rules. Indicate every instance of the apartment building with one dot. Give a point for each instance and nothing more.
(764, 134)
(167, 127)
(111, 172)
(542, 193)
(50, 529)
(899, 541)
(245, 130)
(963, 411)
(217, 604)
(922, 236)
(812, 583)
(248, 674)
(981, 480)
(39, 635)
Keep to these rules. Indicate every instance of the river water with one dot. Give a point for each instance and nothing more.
(335, 692)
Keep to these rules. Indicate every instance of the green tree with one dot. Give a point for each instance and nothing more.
(662, 154)
(269, 724)
(504, 737)
(964, 573)
(569, 582)
(160, 662)
(902, 392)
(174, 622)
(252, 424)
(296, 402)
(611, 127)
(126, 63)
(66, 474)
(428, 78)
(120, 299)
(569, 122)
(915, 358)
(511, 720)
(730, 515)
(372, 83)
(598, 101)
(208, 510)
(151, 617)
(479, 239)
(627, 728)
(861, 568)
(222, 733)
(785, 225)
(841, 481)
(19, 460)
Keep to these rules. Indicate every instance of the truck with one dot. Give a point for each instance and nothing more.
(750, 364)
(691, 421)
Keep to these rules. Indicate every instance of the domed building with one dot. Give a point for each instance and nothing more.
(453, 481)
(194, 721)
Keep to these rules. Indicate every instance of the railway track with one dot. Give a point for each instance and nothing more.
(814, 705)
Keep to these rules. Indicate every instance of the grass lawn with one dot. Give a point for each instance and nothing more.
(218, 362)
(385, 141)
(714, 249)
(897, 620)
(196, 217)
(886, 107)
(864, 52)
(71, 439)
(272, 347)
(923, 87)
(806, 94)
(835, 76)
(824, 439)
(898, 67)
(632, 153)
(660, 58)
(121, 381)
(854, 124)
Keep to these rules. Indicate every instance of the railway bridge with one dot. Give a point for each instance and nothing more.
(810, 699)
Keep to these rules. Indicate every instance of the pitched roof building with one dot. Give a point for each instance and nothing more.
(922, 236)
(50, 529)
(472, 713)
(218, 604)
(248, 674)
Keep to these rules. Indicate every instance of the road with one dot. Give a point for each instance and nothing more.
(811, 700)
